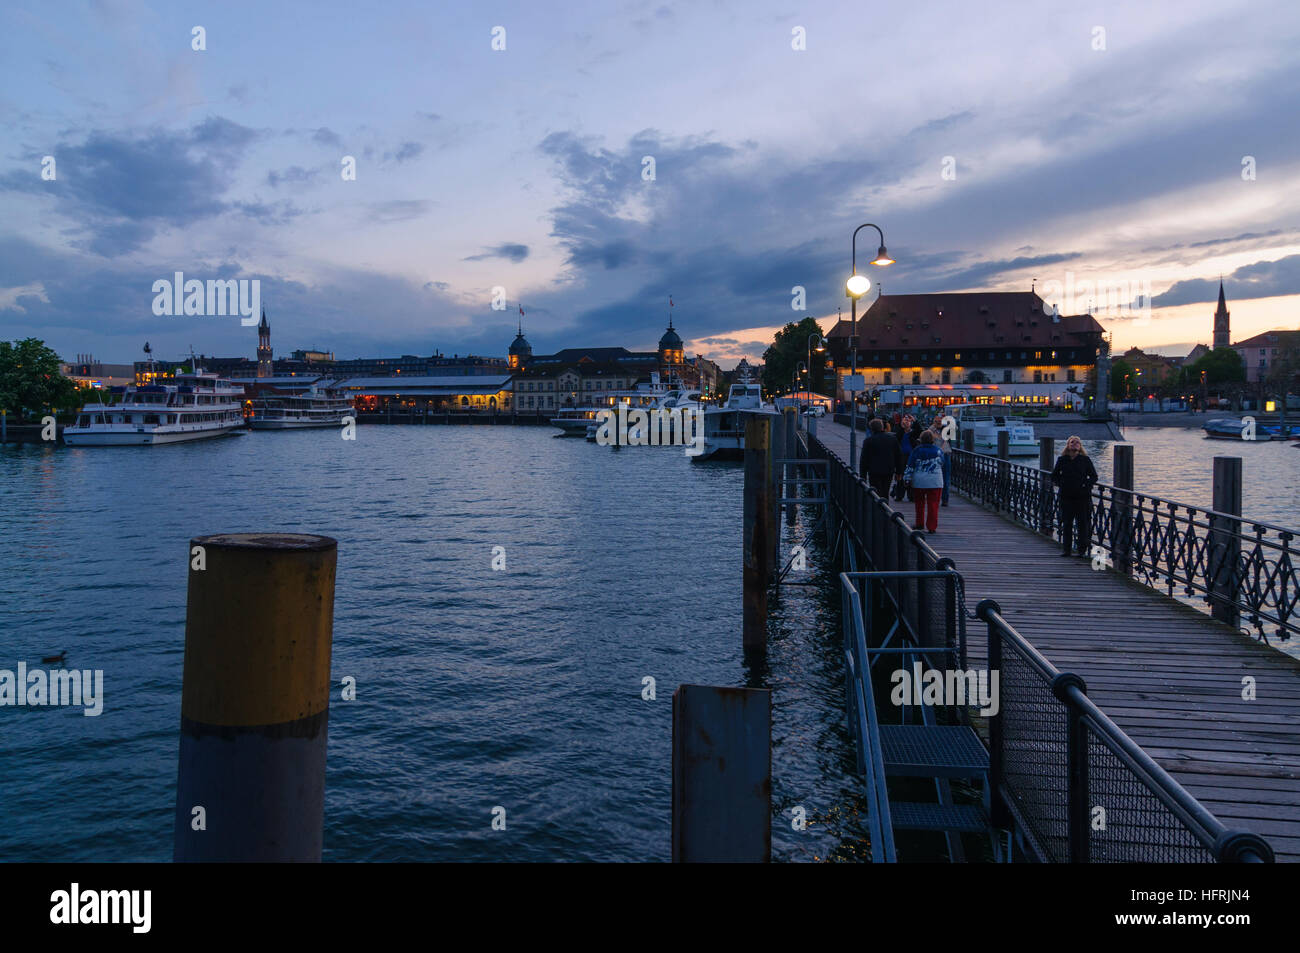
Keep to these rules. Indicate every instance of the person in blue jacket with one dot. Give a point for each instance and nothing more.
(924, 474)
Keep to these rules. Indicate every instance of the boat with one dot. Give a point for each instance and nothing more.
(176, 409)
(987, 421)
(582, 421)
(319, 406)
(724, 427)
(1231, 428)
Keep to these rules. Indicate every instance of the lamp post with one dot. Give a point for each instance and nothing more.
(857, 286)
(821, 346)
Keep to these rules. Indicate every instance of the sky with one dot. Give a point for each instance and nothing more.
(587, 161)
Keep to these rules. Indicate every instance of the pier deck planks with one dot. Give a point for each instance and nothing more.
(1167, 674)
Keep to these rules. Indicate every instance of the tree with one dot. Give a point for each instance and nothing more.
(1222, 366)
(30, 380)
(787, 352)
(1121, 375)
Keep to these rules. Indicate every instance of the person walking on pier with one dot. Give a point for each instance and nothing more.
(924, 474)
(1076, 476)
(945, 449)
(881, 458)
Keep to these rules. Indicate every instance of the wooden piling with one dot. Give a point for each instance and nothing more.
(255, 699)
(1121, 528)
(758, 530)
(791, 488)
(1046, 461)
(1225, 540)
(722, 775)
(776, 444)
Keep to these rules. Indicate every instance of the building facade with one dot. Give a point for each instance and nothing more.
(1269, 353)
(996, 347)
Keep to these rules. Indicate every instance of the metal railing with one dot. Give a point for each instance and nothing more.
(1241, 569)
(1054, 757)
(1075, 784)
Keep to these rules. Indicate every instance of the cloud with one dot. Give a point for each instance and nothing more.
(295, 173)
(120, 189)
(407, 151)
(1263, 279)
(327, 137)
(511, 252)
(399, 210)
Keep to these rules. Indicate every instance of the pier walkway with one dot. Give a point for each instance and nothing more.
(1168, 674)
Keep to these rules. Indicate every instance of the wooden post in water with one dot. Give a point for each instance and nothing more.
(776, 445)
(722, 775)
(1004, 469)
(758, 530)
(255, 700)
(1121, 524)
(791, 489)
(1046, 461)
(4, 426)
(1225, 541)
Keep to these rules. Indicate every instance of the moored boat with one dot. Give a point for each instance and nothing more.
(318, 406)
(172, 410)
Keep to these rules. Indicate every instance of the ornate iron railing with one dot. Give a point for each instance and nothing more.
(1054, 756)
(1246, 572)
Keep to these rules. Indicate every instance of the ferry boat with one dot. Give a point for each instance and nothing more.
(688, 400)
(173, 410)
(987, 421)
(318, 406)
(724, 427)
(580, 421)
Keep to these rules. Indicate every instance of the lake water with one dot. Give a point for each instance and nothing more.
(476, 688)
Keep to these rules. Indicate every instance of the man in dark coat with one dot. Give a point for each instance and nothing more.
(881, 459)
(1076, 476)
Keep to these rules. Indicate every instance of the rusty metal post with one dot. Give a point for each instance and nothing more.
(758, 530)
(722, 775)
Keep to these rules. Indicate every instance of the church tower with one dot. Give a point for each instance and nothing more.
(1222, 338)
(264, 347)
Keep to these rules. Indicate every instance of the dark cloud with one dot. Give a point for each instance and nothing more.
(399, 210)
(510, 252)
(120, 189)
(1263, 279)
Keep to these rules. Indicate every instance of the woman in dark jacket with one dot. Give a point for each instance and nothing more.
(1076, 476)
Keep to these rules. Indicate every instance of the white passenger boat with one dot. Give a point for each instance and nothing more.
(318, 406)
(724, 427)
(174, 410)
(987, 421)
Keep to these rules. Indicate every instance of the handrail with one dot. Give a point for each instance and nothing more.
(862, 715)
(1085, 721)
(1248, 568)
(1059, 730)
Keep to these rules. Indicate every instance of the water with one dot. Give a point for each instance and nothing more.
(1178, 464)
(475, 688)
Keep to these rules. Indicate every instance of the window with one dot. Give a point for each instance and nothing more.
(889, 377)
(947, 376)
(1006, 376)
(1038, 377)
(1069, 375)
(916, 377)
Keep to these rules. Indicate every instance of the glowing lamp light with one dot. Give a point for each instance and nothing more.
(882, 257)
(858, 285)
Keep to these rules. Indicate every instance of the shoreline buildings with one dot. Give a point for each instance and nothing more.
(980, 347)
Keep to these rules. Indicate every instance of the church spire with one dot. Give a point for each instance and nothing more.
(1222, 328)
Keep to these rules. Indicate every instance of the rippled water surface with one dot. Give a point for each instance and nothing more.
(476, 688)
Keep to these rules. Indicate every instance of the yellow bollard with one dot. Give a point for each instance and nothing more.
(255, 699)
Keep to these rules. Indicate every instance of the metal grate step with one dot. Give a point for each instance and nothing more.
(933, 751)
(911, 816)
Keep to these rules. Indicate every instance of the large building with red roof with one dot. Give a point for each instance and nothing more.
(979, 347)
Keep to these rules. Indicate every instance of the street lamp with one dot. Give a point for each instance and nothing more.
(857, 286)
(821, 346)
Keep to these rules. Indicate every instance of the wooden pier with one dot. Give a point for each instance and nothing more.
(1172, 677)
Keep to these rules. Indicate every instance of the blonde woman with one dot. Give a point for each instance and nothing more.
(1076, 476)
